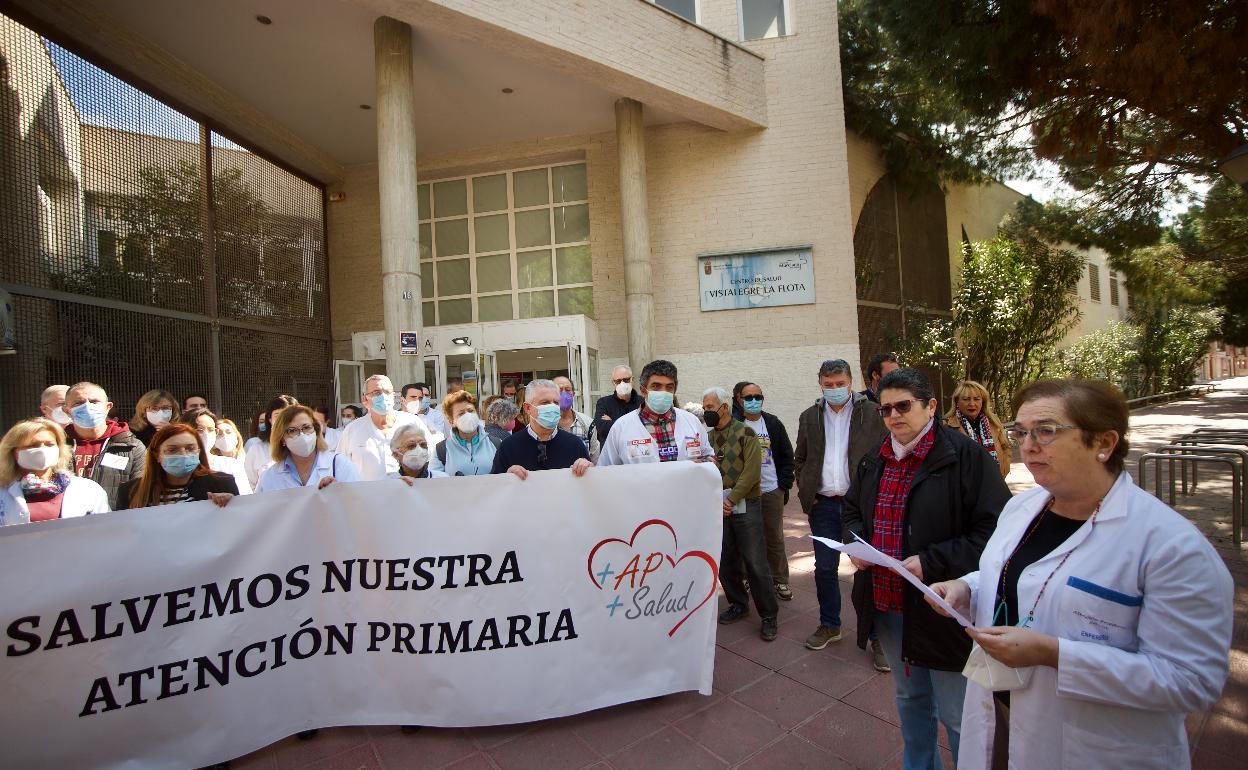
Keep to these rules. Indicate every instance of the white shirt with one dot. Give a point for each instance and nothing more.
(368, 446)
(769, 482)
(82, 497)
(284, 475)
(331, 436)
(834, 481)
(436, 423)
(1142, 608)
(256, 460)
(629, 442)
(235, 468)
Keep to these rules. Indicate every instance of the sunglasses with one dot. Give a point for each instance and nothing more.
(902, 407)
(752, 398)
(622, 379)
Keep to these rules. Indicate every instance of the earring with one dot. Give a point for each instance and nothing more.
(1101, 457)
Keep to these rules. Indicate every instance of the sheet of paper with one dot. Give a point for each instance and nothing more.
(864, 551)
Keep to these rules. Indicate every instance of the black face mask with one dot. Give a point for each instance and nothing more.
(711, 419)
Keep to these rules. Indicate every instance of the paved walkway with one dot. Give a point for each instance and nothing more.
(779, 705)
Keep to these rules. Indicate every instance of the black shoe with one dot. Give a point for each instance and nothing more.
(409, 729)
(734, 613)
(305, 735)
(769, 630)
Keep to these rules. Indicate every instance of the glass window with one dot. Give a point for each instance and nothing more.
(494, 273)
(686, 9)
(453, 278)
(494, 308)
(577, 301)
(532, 228)
(422, 201)
(492, 233)
(452, 237)
(426, 241)
(533, 270)
(450, 199)
(530, 188)
(426, 279)
(571, 223)
(537, 304)
(569, 183)
(455, 311)
(489, 193)
(762, 19)
(426, 314)
(573, 265)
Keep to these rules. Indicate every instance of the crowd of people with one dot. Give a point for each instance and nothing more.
(1101, 616)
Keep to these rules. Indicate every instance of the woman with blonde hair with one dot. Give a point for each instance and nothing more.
(156, 409)
(229, 440)
(37, 482)
(208, 427)
(971, 415)
(176, 470)
(300, 456)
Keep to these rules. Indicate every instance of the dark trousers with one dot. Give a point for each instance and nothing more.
(825, 521)
(773, 531)
(744, 544)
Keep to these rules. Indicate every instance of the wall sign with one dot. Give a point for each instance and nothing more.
(409, 345)
(752, 279)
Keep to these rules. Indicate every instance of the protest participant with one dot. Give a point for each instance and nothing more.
(349, 413)
(259, 432)
(930, 498)
(572, 421)
(658, 431)
(366, 442)
(613, 406)
(260, 454)
(328, 434)
(466, 451)
(194, 401)
(500, 420)
(206, 425)
(52, 405)
(739, 458)
(410, 447)
(300, 457)
(105, 450)
(156, 409)
(229, 443)
(176, 471)
(1102, 615)
(541, 446)
(36, 482)
(971, 415)
(776, 479)
(879, 365)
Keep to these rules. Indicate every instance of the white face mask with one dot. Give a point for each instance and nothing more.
(413, 407)
(158, 418)
(38, 458)
(302, 445)
(416, 458)
(227, 442)
(467, 423)
(60, 417)
(624, 389)
(208, 440)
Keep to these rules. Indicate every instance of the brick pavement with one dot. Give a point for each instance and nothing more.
(779, 705)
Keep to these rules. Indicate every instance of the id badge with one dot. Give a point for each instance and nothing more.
(115, 461)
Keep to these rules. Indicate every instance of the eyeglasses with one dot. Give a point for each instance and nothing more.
(1043, 434)
(306, 430)
(902, 407)
(376, 393)
(622, 379)
(752, 398)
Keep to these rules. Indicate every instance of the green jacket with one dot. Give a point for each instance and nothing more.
(740, 460)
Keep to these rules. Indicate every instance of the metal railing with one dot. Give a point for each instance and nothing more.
(1193, 455)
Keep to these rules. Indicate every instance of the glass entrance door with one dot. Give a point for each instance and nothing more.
(348, 383)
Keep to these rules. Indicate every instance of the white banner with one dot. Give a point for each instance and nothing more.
(187, 635)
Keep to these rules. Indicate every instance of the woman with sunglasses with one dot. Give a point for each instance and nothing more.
(930, 498)
(300, 457)
(1102, 617)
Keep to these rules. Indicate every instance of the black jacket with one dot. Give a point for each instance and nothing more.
(198, 488)
(781, 446)
(866, 431)
(609, 409)
(951, 511)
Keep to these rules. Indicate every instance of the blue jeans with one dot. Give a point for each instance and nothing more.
(923, 694)
(825, 521)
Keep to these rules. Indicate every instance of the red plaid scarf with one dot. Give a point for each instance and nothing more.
(890, 517)
(662, 428)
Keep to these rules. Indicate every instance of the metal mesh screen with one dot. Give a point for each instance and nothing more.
(112, 239)
(924, 248)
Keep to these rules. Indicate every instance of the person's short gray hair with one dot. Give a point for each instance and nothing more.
(403, 431)
(378, 378)
(501, 411)
(718, 392)
(53, 390)
(836, 366)
(531, 389)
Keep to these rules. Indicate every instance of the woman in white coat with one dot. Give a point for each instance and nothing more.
(1102, 617)
(300, 457)
(36, 483)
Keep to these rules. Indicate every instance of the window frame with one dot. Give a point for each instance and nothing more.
(789, 29)
(697, 11)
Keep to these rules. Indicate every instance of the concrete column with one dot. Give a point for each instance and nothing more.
(396, 175)
(630, 137)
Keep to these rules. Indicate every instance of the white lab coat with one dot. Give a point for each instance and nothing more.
(368, 446)
(1142, 609)
(284, 475)
(233, 466)
(256, 459)
(629, 442)
(82, 497)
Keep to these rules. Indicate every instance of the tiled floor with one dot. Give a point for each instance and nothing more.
(779, 705)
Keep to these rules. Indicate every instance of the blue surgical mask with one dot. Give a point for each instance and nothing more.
(548, 415)
(752, 407)
(836, 396)
(659, 401)
(88, 415)
(381, 403)
(180, 465)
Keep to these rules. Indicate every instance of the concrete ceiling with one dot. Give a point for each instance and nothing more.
(312, 68)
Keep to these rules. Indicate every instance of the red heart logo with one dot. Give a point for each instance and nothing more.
(672, 562)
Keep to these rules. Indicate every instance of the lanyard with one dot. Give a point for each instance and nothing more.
(1031, 614)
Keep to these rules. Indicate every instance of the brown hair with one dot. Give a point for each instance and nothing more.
(277, 431)
(149, 400)
(151, 485)
(455, 398)
(1093, 406)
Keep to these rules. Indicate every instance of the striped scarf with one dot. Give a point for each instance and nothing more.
(980, 432)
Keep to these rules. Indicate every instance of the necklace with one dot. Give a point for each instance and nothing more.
(1031, 614)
